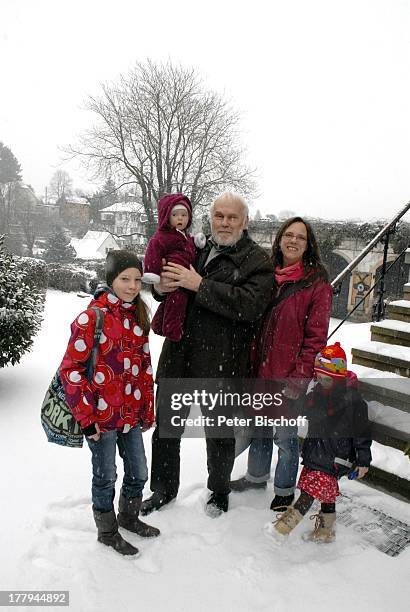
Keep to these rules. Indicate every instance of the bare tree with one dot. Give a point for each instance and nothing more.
(29, 216)
(61, 184)
(159, 129)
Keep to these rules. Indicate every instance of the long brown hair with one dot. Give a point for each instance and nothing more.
(141, 314)
(141, 310)
(311, 257)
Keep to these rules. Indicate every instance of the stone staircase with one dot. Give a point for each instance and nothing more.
(388, 394)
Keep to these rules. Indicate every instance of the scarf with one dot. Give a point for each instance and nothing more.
(291, 273)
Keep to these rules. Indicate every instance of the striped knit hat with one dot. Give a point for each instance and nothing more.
(331, 361)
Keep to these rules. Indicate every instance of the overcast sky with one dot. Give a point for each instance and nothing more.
(323, 87)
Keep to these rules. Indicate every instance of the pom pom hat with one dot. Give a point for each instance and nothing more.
(331, 361)
(118, 261)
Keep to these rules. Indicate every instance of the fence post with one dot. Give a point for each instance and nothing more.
(379, 307)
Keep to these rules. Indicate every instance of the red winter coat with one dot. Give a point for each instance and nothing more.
(294, 330)
(121, 390)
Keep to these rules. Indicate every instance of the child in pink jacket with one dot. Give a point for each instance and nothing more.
(172, 243)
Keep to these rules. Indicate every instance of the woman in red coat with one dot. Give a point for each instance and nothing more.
(293, 331)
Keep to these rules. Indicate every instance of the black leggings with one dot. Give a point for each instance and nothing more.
(305, 501)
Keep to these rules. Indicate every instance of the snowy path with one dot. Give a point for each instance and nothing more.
(218, 565)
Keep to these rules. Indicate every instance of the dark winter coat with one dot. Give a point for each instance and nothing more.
(168, 242)
(338, 429)
(294, 329)
(222, 316)
(120, 393)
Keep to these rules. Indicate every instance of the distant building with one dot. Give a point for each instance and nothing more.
(74, 212)
(50, 212)
(94, 245)
(127, 220)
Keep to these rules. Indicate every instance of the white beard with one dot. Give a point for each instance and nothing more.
(226, 241)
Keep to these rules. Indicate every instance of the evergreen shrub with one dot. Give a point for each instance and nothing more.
(21, 307)
(34, 272)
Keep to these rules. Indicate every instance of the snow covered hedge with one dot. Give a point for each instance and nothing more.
(34, 272)
(97, 267)
(21, 305)
(75, 277)
(66, 277)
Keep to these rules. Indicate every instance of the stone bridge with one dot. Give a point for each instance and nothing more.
(359, 281)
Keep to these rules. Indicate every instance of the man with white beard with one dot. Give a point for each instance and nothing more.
(230, 288)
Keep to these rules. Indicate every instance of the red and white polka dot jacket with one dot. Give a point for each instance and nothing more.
(120, 394)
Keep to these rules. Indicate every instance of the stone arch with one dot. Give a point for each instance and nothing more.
(335, 263)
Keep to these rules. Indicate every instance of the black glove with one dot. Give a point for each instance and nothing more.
(90, 430)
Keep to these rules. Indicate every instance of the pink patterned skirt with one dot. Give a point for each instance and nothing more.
(319, 485)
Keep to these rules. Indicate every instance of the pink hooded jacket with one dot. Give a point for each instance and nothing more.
(168, 242)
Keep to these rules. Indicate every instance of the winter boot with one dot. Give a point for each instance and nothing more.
(155, 502)
(324, 530)
(280, 503)
(108, 533)
(128, 511)
(217, 504)
(288, 521)
(243, 484)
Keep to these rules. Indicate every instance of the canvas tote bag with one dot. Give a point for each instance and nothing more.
(56, 417)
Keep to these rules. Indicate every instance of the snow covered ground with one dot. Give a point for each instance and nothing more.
(198, 564)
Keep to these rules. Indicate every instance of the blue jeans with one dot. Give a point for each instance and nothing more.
(131, 448)
(260, 457)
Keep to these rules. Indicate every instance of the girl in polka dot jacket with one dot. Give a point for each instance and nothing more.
(338, 439)
(117, 404)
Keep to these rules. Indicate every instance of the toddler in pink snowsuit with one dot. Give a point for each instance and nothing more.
(172, 243)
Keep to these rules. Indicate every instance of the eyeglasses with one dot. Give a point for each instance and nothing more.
(297, 237)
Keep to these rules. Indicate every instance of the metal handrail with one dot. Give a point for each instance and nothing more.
(368, 292)
(338, 280)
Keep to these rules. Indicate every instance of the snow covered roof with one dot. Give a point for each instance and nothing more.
(76, 200)
(97, 236)
(130, 207)
(87, 247)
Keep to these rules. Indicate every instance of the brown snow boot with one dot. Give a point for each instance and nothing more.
(128, 511)
(324, 529)
(108, 533)
(288, 521)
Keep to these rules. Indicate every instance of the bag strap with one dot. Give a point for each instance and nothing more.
(97, 335)
(293, 288)
(288, 290)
